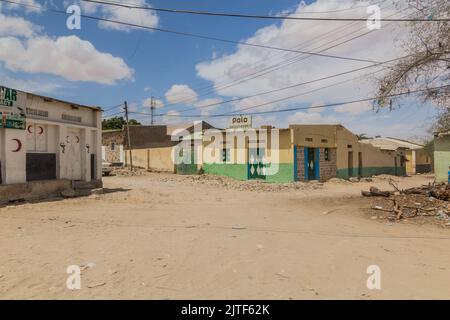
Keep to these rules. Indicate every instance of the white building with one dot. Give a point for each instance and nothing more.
(43, 138)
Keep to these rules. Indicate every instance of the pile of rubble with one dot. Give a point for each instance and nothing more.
(228, 183)
(426, 201)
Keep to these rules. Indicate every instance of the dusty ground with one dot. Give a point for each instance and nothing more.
(161, 236)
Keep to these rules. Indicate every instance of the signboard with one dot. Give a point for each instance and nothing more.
(12, 105)
(7, 96)
(241, 122)
(11, 121)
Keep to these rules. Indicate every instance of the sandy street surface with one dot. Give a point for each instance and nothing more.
(161, 236)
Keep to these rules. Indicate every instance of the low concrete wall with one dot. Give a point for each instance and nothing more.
(156, 159)
(32, 190)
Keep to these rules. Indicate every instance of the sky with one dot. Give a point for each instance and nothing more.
(104, 64)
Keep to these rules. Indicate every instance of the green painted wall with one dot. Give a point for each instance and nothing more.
(371, 171)
(235, 171)
(442, 158)
(285, 174)
(239, 171)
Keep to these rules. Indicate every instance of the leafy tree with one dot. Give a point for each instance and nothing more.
(427, 61)
(117, 123)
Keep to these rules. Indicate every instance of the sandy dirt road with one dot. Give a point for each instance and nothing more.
(162, 236)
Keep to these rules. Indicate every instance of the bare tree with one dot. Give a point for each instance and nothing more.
(427, 61)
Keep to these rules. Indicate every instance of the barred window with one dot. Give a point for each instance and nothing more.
(37, 112)
(68, 117)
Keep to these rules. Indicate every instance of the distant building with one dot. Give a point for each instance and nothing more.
(307, 152)
(151, 146)
(442, 156)
(113, 146)
(417, 161)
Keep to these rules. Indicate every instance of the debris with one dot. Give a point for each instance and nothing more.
(238, 228)
(375, 192)
(96, 284)
(353, 179)
(424, 201)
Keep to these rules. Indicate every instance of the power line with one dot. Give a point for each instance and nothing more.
(112, 107)
(314, 107)
(254, 16)
(292, 86)
(193, 35)
(276, 66)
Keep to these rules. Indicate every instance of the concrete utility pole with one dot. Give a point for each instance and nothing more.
(128, 134)
(152, 107)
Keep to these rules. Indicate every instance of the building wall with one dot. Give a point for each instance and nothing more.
(281, 158)
(327, 168)
(67, 133)
(442, 157)
(424, 162)
(113, 146)
(374, 160)
(155, 159)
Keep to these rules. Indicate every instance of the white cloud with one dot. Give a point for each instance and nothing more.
(30, 85)
(69, 57)
(311, 118)
(29, 6)
(16, 26)
(354, 108)
(309, 36)
(146, 18)
(147, 103)
(181, 93)
(207, 105)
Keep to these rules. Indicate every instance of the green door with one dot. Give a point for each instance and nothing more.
(256, 164)
(311, 164)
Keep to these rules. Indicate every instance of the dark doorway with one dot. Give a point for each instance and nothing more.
(360, 164)
(1, 180)
(93, 166)
(41, 166)
(312, 164)
(350, 164)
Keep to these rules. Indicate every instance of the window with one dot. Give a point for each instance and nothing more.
(113, 146)
(309, 139)
(326, 154)
(68, 117)
(36, 112)
(349, 146)
(324, 140)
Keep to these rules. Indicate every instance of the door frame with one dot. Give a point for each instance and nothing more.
(316, 163)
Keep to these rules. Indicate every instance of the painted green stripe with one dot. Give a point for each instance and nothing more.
(371, 171)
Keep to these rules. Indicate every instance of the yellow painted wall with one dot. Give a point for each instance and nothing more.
(157, 159)
(371, 156)
(318, 134)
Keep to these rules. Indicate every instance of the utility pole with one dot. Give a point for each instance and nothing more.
(152, 107)
(128, 134)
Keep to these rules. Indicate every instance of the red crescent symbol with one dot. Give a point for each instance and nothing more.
(42, 130)
(19, 145)
(29, 129)
(78, 139)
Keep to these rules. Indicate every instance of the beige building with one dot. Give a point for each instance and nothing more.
(417, 161)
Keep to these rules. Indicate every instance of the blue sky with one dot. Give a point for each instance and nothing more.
(101, 65)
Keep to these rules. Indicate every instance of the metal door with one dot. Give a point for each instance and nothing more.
(256, 164)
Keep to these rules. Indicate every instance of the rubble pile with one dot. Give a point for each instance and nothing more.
(426, 201)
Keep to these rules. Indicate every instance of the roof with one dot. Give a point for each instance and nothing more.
(67, 102)
(392, 144)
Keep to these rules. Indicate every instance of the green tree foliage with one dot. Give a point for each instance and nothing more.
(116, 123)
